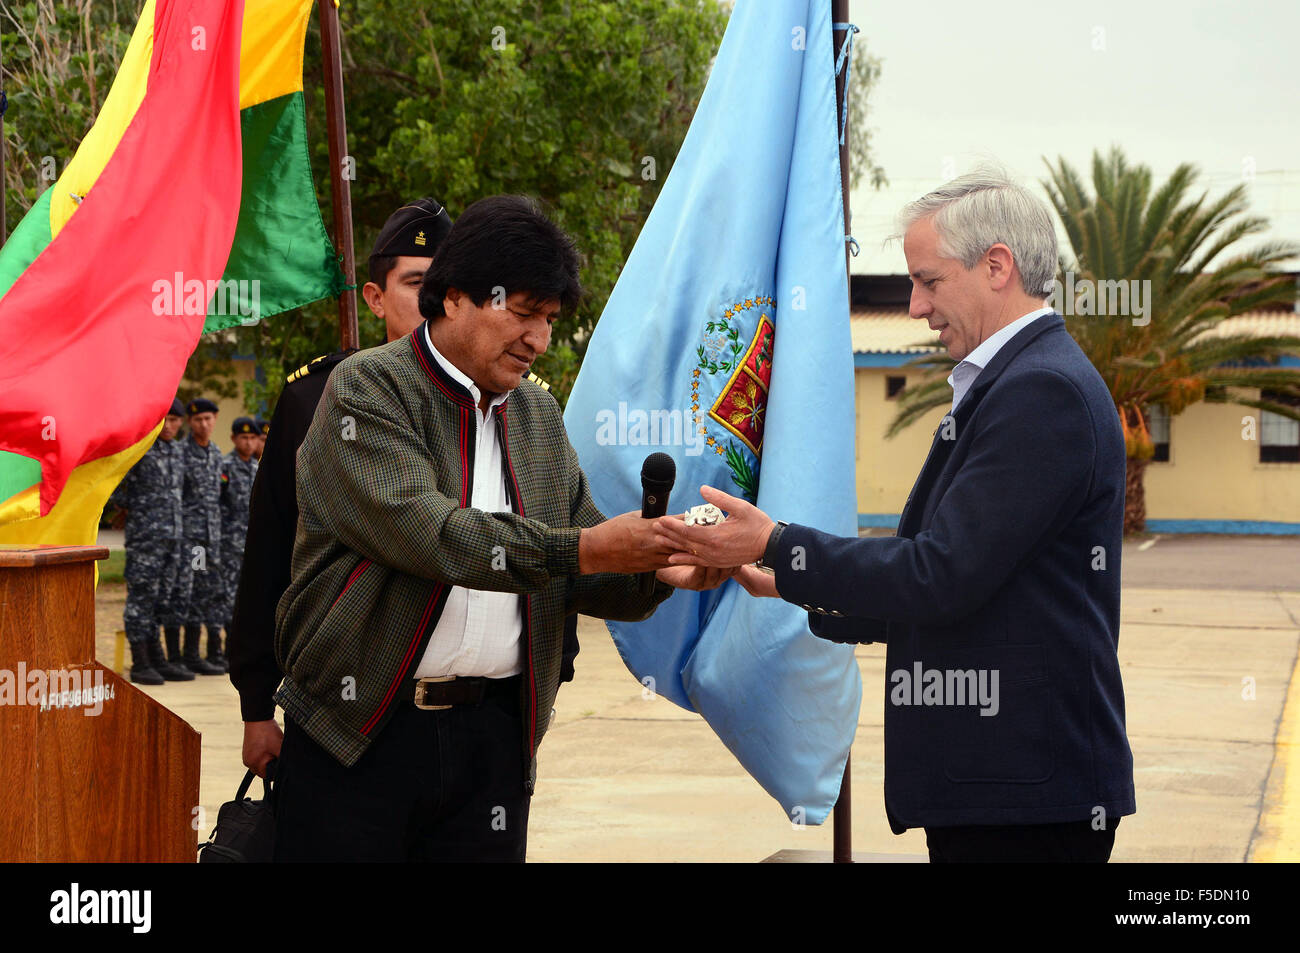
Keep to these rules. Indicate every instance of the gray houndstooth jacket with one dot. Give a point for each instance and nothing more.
(386, 527)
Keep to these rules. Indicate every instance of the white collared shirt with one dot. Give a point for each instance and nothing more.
(478, 632)
(965, 373)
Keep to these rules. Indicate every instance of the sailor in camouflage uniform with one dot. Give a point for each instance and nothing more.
(239, 467)
(200, 578)
(151, 495)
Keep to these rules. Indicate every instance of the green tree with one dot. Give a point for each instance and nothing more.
(1186, 246)
(863, 76)
(582, 104)
(60, 57)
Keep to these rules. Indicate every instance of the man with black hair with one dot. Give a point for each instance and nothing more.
(446, 531)
(401, 254)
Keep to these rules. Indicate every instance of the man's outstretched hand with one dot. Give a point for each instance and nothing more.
(698, 578)
(757, 582)
(626, 544)
(740, 539)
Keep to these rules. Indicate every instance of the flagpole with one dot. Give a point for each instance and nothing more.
(842, 819)
(340, 192)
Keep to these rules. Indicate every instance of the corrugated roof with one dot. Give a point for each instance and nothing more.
(890, 332)
(893, 332)
(1257, 324)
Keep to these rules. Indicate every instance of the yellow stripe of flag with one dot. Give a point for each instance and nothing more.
(270, 65)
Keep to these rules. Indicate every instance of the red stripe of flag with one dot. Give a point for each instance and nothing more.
(86, 367)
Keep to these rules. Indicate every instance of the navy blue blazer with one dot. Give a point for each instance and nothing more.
(999, 601)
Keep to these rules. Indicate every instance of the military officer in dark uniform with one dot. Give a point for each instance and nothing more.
(238, 469)
(151, 495)
(200, 582)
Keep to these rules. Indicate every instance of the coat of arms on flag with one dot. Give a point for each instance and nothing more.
(741, 362)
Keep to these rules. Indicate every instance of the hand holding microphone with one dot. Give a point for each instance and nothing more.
(658, 474)
(631, 543)
(628, 543)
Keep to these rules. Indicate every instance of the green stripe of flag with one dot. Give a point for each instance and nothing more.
(280, 240)
(27, 241)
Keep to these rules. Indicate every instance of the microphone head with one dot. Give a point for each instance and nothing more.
(659, 469)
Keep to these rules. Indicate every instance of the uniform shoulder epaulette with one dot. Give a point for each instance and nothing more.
(539, 382)
(322, 363)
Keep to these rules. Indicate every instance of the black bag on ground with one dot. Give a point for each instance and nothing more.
(245, 831)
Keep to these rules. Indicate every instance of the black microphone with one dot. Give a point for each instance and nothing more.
(658, 474)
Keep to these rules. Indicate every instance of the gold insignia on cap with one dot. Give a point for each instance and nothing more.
(419, 238)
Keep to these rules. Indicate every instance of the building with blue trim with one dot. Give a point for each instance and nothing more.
(1219, 468)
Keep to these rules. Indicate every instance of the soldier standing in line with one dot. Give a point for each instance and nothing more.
(200, 582)
(239, 467)
(151, 495)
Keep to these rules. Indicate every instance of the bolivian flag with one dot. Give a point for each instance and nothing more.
(188, 206)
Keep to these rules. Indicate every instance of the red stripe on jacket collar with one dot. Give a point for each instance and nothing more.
(438, 374)
(453, 388)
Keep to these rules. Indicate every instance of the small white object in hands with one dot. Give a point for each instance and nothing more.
(706, 514)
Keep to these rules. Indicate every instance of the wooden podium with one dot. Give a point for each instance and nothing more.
(92, 768)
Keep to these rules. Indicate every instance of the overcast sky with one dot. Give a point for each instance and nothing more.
(1211, 82)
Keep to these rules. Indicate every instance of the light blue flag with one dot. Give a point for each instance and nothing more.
(726, 345)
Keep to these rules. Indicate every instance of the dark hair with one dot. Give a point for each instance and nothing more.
(380, 266)
(504, 241)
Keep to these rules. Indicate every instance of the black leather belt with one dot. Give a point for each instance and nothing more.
(442, 692)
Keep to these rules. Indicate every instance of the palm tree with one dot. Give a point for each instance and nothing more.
(1170, 238)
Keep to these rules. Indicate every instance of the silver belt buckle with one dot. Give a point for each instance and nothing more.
(419, 692)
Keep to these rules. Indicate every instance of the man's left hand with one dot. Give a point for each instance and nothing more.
(697, 578)
(738, 540)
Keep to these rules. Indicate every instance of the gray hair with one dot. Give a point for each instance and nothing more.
(975, 211)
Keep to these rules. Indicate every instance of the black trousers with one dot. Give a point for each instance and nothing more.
(1072, 842)
(433, 786)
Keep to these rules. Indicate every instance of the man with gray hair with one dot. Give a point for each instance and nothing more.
(999, 595)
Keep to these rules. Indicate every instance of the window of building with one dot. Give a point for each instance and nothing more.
(1279, 437)
(1158, 424)
(894, 386)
